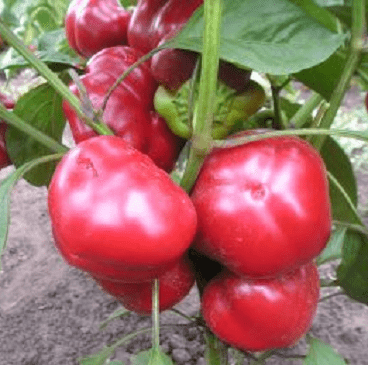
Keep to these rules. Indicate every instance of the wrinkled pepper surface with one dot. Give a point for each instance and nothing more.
(231, 107)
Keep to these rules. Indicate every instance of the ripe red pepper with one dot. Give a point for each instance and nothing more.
(129, 110)
(115, 214)
(174, 285)
(155, 21)
(92, 25)
(262, 314)
(263, 207)
(4, 157)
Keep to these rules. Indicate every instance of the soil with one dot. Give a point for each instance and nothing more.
(50, 313)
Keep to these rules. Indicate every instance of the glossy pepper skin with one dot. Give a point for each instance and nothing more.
(4, 157)
(129, 110)
(92, 25)
(263, 207)
(262, 314)
(153, 23)
(115, 214)
(174, 285)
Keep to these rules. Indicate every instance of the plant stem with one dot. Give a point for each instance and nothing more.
(203, 112)
(51, 77)
(276, 106)
(261, 360)
(301, 116)
(355, 227)
(20, 124)
(155, 315)
(216, 351)
(356, 47)
(290, 132)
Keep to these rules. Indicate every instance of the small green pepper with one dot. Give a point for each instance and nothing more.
(230, 108)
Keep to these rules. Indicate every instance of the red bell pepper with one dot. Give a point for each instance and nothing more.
(262, 314)
(263, 207)
(129, 110)
(116, 215)
(174, 285)
(155, 21)
(92, 25)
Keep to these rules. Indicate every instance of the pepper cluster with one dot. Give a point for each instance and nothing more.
(264, 214)
(252, 224)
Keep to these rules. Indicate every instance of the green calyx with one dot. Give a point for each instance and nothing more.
(230, 107)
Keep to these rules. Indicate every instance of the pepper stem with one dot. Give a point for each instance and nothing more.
(203, 113)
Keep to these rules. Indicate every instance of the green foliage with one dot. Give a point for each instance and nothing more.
(322, 354)
(153, 356)
(50, 47)
(39, 23)
(339, 166)
(352, 274)
(40, 107)
(279, 44)
(324, 77)
(333, 250)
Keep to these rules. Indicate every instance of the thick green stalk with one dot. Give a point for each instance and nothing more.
(20, 124)
(203, 113)
(356, 47)
(51, 77)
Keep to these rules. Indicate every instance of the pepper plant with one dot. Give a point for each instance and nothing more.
(184, 168)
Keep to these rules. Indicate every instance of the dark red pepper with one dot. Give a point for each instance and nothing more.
(92, 25)
(155, 21)
(128, 111)
(4, 157)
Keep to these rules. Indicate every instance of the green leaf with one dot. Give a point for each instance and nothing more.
(324, 77)
(45, 18)
(322, 15)
(51, 48)
(321, 353)
(352, 274)
(97, 359)
(290, 108)
(40, 107)
(153, 356)
(272, 36)
(6, 187)
(343, 13)
(128, 3)
(117, 314)
(339, 165)
(333, 250)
